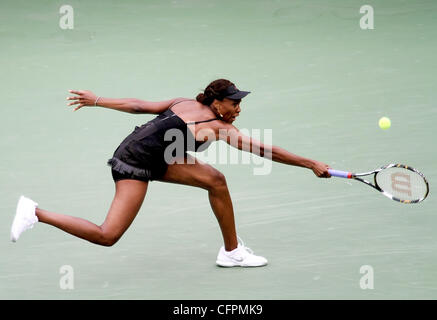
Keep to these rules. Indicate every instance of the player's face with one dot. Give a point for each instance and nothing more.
(230, 109)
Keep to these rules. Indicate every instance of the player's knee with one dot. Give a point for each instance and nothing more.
(216, 180)
(109, 238)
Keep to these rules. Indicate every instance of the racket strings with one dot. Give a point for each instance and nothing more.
(402, 183)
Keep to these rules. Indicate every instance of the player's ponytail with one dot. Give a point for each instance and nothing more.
(215, 90)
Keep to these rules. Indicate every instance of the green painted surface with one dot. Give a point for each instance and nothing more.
(318, 81)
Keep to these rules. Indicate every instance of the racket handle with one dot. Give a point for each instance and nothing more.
(340, 174)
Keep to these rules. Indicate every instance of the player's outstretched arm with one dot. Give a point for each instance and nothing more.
(245, 143)
(86, 98)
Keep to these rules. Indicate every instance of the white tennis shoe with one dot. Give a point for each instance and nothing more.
(242, 256)
(25, 217)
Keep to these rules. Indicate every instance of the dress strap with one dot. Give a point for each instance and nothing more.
(192, 122)
(179, 101)
(196, 122)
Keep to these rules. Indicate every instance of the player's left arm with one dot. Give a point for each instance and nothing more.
(85, 98)
(231, 135)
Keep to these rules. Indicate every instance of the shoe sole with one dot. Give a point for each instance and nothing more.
(16, 218)
(22, 202)
(231, 265)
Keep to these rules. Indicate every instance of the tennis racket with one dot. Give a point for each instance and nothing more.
(396, 181)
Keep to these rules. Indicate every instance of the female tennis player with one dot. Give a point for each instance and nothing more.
(143, 156)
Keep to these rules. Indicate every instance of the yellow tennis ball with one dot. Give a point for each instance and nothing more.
(384, 123)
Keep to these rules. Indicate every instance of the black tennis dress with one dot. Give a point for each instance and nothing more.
(141, 155)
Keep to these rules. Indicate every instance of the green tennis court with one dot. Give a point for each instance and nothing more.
(318, 80)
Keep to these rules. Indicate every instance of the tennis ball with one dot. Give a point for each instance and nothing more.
(384, 123)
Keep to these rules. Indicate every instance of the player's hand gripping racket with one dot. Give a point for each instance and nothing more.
(395, 181)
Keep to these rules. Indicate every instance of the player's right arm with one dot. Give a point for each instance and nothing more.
(231, 135)
(85, 98)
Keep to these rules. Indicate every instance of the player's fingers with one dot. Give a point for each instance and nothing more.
(324, 174)
(79, 92)
(78, 107)
(72, 103)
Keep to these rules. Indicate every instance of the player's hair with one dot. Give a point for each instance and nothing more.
(215, 90)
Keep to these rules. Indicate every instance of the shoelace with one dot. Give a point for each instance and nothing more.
(240, 241)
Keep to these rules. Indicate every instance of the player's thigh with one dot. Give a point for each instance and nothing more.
(194, 172)
(129, 196)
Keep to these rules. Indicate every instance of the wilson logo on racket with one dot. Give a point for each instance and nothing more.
(400, 182)
(396, 181)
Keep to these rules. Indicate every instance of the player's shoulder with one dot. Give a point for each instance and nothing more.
(224, 129)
